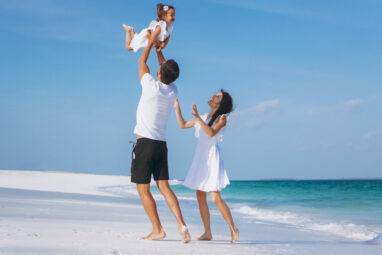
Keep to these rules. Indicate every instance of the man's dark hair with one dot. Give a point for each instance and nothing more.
(169, 71)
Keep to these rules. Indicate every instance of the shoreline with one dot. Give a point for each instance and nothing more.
(70, 213)
(231, 180)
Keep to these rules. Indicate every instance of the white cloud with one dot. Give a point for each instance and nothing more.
(257, 115)
(263, 106)
(348, 105)
(351, 104)
(370, 135)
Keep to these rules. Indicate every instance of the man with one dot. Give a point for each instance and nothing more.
(150, 152)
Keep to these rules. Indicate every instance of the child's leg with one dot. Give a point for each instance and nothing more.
(226, 212)
(129, 36)
(204, 214)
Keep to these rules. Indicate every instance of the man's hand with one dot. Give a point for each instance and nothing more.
(159, 45)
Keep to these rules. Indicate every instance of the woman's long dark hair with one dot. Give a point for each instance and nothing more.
(226, 106)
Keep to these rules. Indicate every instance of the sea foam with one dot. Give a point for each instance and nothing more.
(377, 240)
(348, 230)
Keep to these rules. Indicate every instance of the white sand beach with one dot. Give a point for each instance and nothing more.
(68, 213)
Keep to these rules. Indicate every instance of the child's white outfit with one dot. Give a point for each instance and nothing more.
(140, 40)
(207, 172)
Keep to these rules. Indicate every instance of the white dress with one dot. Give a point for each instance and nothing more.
(207, 172)
(140, 40)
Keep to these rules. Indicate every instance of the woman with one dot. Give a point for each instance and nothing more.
(207, 172)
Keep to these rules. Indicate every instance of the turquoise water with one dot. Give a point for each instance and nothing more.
(349, 208)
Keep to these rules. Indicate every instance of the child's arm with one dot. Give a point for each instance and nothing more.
(211, 131)
(182, 123)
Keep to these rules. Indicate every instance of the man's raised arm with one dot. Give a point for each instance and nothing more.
(143, 68)
(161, 58)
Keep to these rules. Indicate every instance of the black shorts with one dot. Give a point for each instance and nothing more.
(149, 157)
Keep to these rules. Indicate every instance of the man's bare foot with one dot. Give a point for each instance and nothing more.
(234, 235)
(184, 234)
(154, 236)
(205, 237)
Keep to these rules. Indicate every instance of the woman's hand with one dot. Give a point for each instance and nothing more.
(195, 112)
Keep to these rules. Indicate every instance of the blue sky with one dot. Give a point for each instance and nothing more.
(305, 77)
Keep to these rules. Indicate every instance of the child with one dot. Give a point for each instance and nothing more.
(207, 172)
(166, 17)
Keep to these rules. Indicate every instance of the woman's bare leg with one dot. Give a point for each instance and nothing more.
(205, 215)
(129, 36)
(226, 212)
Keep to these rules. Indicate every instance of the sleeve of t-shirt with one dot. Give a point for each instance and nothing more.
(147, 80)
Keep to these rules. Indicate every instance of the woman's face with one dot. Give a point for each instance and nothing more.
(215, 100)
(170, 16)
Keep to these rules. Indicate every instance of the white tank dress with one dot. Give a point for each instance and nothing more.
(207, 172)
(140, 40)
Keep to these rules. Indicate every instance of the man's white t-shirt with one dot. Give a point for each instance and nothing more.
(154, 108)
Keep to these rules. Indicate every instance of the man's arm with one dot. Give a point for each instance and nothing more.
(143, 68)
(161, 58)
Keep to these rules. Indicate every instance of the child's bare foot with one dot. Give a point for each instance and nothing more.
(154, 236)
(127, 28)
(129, 36)
(184, 234)
(205, 237)
(234, 235)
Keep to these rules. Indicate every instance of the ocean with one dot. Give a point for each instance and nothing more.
(346, 208)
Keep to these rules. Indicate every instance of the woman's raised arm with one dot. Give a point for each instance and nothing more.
(210, 131)
(181, 122)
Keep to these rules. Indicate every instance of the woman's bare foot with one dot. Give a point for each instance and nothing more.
(184, 234)
(154, 236)
(205, 237)
(234, 235)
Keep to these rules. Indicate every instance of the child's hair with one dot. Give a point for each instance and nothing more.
(169, 71)
(226, 106)
(162, 10)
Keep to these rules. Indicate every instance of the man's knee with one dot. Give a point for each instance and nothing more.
(163, 186)
(143, 189)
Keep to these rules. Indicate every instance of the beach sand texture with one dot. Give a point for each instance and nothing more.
(69, 213)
